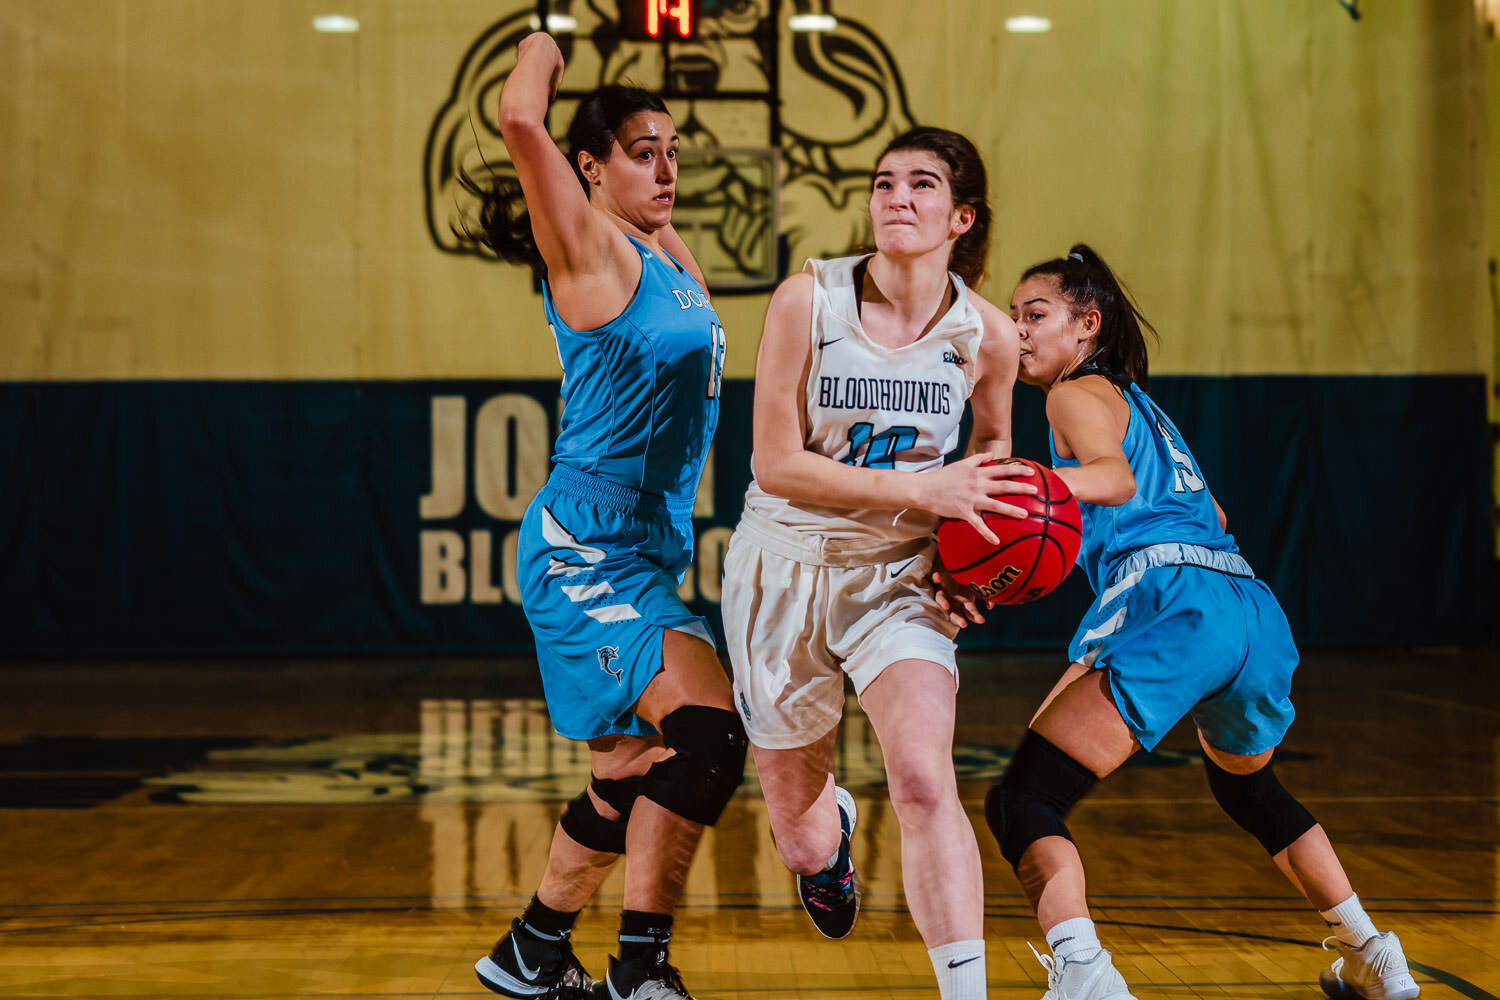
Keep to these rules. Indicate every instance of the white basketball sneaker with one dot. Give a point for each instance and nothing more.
(1096, 979)
(1374, 971)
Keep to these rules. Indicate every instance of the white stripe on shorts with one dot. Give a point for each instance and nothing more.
(1108, 628)
(1119, 587)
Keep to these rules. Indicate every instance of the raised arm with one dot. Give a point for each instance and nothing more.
(570, 235)
(785, 467)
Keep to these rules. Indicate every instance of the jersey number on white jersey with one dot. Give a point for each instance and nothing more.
(880, 450)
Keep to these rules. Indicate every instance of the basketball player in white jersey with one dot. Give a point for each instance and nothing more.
(863, 373)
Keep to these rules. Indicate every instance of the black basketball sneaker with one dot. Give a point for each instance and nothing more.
(830, 897)
(527, 964)
(647, 977)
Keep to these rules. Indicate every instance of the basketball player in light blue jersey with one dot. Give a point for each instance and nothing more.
(603, 546)
(1180, 626)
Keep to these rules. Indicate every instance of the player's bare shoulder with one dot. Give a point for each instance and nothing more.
(1000, 350)
(790, 309)
(1085, 403)
(1088, 393)
(786, 341)
(795, 291)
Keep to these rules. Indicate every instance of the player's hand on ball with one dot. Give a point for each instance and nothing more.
(965, 490)
(1033, 553)
(958, 600)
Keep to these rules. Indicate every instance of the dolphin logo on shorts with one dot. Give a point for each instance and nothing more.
(608, 655)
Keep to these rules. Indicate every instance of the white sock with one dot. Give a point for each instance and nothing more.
(1074, 940)
(1350, 923)
(960, 969)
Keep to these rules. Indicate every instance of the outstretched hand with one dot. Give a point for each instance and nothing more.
(965, 490)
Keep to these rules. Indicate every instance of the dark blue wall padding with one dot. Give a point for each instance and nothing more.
(1363, 501)
(163, 518)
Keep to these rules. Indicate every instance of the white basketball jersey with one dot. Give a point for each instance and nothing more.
(878, 407)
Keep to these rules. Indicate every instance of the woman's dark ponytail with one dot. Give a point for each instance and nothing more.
(502, 225)
(1087, 282)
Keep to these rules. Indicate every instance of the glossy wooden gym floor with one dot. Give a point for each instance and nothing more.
(352, 829)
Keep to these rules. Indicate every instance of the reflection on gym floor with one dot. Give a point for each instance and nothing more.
(367, 828)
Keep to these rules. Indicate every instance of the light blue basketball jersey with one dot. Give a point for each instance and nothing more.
(1172, 503)
(641, 393)
(1180, 625)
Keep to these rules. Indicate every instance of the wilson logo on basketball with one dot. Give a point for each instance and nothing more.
(997, 583)
(1034, 554)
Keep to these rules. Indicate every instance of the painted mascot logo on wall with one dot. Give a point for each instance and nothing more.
(779, 128)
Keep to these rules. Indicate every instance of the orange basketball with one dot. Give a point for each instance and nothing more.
(1035, 553)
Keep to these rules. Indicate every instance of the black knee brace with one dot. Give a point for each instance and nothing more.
(1259, 804)
(618, 793)
(700, 777)
(582, 821)
(1037, 792)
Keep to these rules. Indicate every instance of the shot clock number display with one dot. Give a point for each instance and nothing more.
(661, 13)
(657, 19)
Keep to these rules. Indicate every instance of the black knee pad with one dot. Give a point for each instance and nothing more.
(1037, 792)
(700, 777)
(619, 793)
(1260, 805)
(583, 822)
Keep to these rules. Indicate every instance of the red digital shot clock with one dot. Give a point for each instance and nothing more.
(658, 19)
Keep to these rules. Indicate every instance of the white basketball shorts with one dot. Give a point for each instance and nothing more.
(801, 611)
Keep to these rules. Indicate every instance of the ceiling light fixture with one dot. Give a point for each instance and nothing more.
(1028, 24)
(336, 24)
(812, 22)
(560, 24)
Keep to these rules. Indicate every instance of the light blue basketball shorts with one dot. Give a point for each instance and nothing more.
(598, 566)
(1187, 640)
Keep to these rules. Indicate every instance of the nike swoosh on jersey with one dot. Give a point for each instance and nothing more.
(824, 343)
